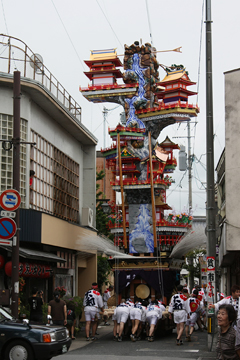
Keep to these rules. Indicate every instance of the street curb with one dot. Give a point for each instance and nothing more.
(81, 341)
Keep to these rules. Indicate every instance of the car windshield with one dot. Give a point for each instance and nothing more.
(4, 315)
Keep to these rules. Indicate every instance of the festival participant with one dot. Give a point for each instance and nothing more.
(220, 296)
(230, 300)
(142, 324)
(202, 316)
(227, 346)
(194, 306)
(122, 313)
(135, 317)
(92, 300)
(114, 319)
(201, 296)
(179, 306)
(162, 307)
(106, 296)
(186, 293)
(154, 313)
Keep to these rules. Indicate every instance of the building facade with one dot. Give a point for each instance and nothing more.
(57, 180)
(228, 187)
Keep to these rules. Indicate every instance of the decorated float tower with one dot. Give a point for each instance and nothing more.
(142, 166)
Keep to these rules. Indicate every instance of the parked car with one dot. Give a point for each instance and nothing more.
(21, 340)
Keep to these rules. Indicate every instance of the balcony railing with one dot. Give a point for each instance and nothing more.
(163, 106)
(16, 54)
(140, 182)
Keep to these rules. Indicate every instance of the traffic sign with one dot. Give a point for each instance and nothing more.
(10, 214)
(10, 199)
(8, 228)
(6, 242)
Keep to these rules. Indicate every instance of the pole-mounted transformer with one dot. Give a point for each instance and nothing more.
(182, 159)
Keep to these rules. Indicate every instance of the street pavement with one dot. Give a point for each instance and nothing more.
(163, 348)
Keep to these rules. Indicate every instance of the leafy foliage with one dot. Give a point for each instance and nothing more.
(76, 303)
(103, 270)
(101, 218)
(194, 269)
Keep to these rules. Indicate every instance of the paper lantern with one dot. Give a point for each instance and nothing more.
(2, 261)
(8, 268)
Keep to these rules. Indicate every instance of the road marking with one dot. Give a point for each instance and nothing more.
(148, 349)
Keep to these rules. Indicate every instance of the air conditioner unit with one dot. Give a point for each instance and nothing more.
(87, 217)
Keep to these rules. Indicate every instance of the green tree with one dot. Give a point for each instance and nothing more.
(192, 264)
(101, 218)
(103, 270)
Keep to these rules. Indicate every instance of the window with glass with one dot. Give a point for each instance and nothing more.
(6, 156)
(55, 186)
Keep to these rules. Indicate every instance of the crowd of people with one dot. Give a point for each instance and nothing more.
(142, 317)
(58, 312)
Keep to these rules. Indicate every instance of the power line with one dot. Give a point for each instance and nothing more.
(68, 35)
(199, 66)
(109, 23)
(149, 23)
(179, 184)
(4, 17)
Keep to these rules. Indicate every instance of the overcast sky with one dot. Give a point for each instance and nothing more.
(64, 32)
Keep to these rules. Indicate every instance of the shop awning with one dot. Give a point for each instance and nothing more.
(194, 239)
(35, 254)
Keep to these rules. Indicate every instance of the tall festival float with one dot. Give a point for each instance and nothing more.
(142, 166)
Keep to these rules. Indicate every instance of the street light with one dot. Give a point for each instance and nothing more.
(106, 208)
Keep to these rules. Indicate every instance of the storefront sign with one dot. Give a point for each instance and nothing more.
(30, 270)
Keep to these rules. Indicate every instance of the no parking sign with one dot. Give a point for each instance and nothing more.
(8, 228)
(10, 199)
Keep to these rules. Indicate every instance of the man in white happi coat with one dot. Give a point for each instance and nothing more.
(121, 313)
(194, 307)
(135, 317)
(233, 300)
(154, 313)
(179, 308)
(106, 296)
(92, 301)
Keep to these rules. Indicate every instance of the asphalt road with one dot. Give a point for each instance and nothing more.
(163, 348)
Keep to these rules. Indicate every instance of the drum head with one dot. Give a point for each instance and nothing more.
(142, 291)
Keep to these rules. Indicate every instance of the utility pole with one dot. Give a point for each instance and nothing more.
(105, 112)
(211, 228)
(189, 168)
(190, 259)
(16, 186)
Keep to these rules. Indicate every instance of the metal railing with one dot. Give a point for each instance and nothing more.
(16, 55)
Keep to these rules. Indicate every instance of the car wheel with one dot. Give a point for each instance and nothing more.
(19, 350)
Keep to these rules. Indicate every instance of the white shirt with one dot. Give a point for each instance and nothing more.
(229, 300)
(106, 295)
(123, 307)
(92, 299)
(178, 302)
(162, 307)
(153, 309)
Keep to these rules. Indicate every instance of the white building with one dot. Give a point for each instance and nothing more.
(59, 202)
(228, 186)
